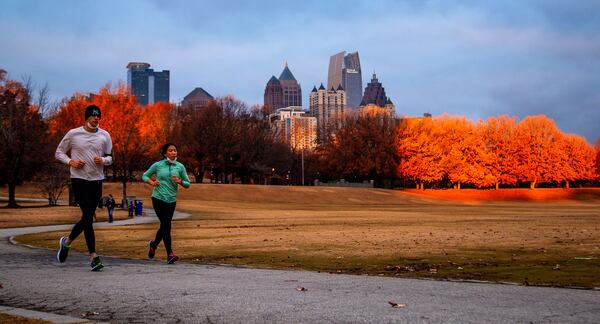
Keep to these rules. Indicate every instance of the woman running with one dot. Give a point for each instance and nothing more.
(165, 176)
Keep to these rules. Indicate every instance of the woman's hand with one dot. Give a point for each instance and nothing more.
(176, 179)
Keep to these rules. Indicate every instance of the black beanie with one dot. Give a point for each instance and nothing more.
(92, 110)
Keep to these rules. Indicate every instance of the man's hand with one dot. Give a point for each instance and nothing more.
(77, 164)
(176, 179)
(98, 160)
(154, 183)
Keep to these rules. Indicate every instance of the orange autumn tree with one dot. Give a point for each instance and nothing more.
(419, 151)
(464, 159)
(598, 159)
(121, 115)
(498, 136)
(156, 126)
(539, 150)
(69, 115)
(580, 158)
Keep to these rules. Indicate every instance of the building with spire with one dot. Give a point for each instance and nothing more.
(283, 92)
(328, 107)
(147, 85)
(345, 70)
(375, 96)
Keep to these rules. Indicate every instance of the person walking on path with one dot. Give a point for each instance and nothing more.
(90, 150)
(110, 207)
(170, 174)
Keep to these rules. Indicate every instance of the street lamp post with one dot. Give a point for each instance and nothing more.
(303, 166)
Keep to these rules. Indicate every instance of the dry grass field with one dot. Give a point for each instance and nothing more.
(13, 319)
(550, 239)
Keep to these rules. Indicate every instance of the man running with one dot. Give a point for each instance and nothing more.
(90, 148)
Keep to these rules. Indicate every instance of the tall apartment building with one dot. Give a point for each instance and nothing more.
(345, 70)
(283, 92)
(147, 85)
(327, 106)
(295, 127)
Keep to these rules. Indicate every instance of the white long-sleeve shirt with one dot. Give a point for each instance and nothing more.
(85, 146)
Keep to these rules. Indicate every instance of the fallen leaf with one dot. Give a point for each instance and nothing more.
(556, 267)
(301, 289)
(88, 313)
(396, 305)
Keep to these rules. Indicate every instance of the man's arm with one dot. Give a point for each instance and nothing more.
(63, 147)
(107, 159)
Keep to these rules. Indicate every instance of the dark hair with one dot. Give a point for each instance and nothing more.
(164, 148)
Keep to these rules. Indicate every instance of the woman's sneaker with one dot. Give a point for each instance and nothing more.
(97, 264)
(63, 250)
(151, 250)
(172, 258)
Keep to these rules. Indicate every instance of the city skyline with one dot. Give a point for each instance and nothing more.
(463, 58)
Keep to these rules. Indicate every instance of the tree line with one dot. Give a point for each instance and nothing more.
(226, 141)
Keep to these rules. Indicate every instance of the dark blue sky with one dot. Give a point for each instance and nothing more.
(472, 58)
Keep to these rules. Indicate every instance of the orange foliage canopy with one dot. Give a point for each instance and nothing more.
(500, 150)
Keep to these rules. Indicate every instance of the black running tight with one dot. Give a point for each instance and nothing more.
(164, 212)
(87, 194)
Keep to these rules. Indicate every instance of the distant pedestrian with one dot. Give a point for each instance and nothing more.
(110, 207)
(131, 209)
(169, 175)
(90, 150)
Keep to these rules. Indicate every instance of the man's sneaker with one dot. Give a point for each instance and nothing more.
(151, 250)
(172, 258)
(97, 264)
(63, 250)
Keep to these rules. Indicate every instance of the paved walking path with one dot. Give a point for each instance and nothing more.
(141, 291)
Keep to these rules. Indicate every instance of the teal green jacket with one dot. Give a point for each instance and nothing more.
(167, 190)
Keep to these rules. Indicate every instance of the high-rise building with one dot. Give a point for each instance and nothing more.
(196, 99)
(148, 86)
(283, 92)
(374, 93)
(273, 95)
(345, 70)
(292, 93)
(295, 127)
(375, 96)
(327, 106)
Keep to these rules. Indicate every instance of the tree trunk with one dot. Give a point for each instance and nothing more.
(124, 191)
(458, 186)
(532, 185)
(497, 185)
(12, 202)
(567, 183)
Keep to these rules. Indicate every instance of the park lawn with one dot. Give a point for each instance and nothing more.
(14, 319)
(373, 231)
(34, 214)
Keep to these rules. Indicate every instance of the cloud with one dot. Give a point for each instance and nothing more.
(471, 58)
